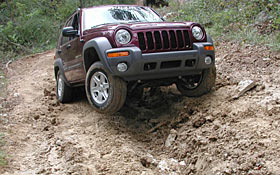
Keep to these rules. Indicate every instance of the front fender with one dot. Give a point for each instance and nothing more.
(100, 44)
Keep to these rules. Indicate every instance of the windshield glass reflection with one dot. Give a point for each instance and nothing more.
(94, 17)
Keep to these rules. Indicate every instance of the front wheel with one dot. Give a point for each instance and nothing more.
(105, 93)
(197, 85)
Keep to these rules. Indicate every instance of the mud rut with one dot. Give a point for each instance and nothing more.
(213, 134)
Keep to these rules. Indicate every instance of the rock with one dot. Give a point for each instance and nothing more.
(266, 59)
(3, 115)
(269, 107)
(46, 128)
(201, 163)
(47, 92)
(171, 138)
(182, 163)
(40, 170)
(16, 94)
(199, 122)
(148, 160)
(243, 86)
(170, 166)
(227, 171)
(260, 88)
(53, 121)
(58, 142)
(209, 118)
(54, 102)
(163, 165)
(36, 117)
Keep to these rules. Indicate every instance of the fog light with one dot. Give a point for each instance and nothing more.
(122, 67)
(208, 60)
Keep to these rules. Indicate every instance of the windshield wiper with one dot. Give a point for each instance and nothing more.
(123, 22)
(135, 21)
(103, 24)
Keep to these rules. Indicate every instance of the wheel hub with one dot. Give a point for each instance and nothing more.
(99, 87)
(59, 87)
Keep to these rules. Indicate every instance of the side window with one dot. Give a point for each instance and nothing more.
(66, 39)
(74, 22)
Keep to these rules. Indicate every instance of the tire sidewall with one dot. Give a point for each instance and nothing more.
(60, 98)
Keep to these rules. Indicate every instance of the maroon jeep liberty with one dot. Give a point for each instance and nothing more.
(115, 51)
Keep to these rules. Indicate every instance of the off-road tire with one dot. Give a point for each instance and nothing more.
(63, 91)
(117, 90)
(206, 84)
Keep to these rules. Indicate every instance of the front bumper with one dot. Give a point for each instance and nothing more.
(161, 64)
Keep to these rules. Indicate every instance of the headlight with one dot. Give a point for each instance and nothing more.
(197, 32)
(123, 36)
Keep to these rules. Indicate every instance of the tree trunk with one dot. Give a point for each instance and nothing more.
(12, 16)
(81, 4)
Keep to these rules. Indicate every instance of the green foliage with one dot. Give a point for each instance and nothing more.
(254, 21)
(28, 26)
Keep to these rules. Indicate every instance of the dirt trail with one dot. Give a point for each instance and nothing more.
(160, 134)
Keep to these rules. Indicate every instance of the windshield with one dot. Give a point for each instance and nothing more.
(94, 17)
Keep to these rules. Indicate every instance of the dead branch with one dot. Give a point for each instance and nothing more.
(7, 64)
(158, 126)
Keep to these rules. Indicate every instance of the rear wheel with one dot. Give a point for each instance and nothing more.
(105, 92)
(63, 91)
(197, 85)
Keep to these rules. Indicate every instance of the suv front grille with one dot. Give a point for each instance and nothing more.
(153, 41)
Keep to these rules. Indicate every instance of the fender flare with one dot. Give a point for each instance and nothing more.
(59, 64)
(100, 44)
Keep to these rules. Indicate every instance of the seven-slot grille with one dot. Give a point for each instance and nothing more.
(164, 40)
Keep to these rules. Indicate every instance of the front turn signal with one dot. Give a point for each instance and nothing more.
(209, 47)
(117, 54)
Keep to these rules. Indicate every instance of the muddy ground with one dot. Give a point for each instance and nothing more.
(160, 134)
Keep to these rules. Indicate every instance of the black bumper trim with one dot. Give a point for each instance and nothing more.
(137, 61)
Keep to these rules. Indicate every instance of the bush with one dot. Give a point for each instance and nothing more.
(28, 26)
(255, 21)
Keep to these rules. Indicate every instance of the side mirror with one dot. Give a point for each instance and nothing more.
(69, 32)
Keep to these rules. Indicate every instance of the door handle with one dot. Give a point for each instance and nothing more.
(68, 46)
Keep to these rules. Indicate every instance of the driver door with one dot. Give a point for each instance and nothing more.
(71, 53)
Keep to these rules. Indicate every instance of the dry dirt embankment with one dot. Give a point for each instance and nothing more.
(160, 134)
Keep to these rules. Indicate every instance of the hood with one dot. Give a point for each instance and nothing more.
(161, 25)
(142, 26)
